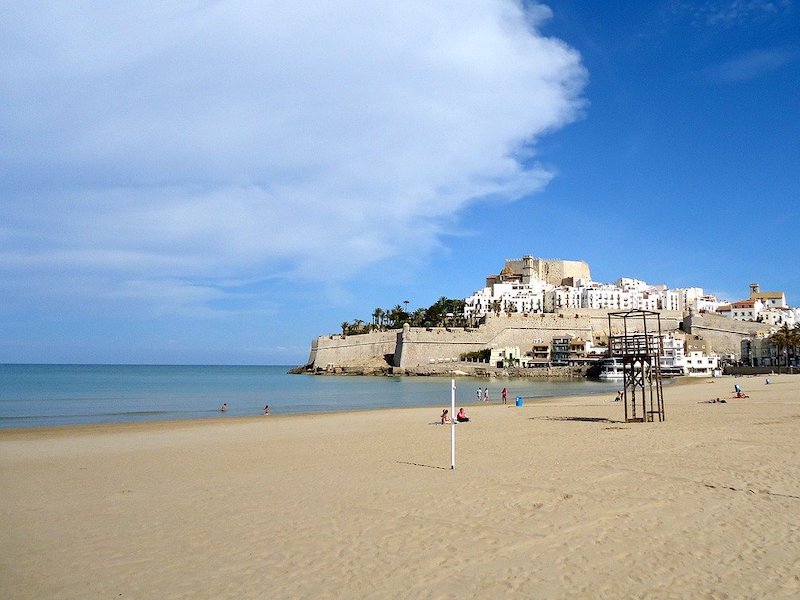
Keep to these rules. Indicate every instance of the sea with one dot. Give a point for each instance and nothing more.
(54, 395)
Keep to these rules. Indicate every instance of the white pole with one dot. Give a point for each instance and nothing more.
(453, 423)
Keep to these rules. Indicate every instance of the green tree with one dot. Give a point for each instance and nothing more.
(396, 316)
(794, 340)
(377, 315)
(782, 339)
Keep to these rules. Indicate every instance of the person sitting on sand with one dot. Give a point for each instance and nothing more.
(224, 407)
(266, 409)
(445, 417)
(461, 416)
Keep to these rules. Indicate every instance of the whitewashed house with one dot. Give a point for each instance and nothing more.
(699, 364)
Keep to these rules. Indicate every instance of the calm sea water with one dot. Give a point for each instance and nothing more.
(47, 395)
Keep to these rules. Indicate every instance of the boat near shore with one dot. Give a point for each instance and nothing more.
(612, 369)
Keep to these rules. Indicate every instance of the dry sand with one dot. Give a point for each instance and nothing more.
(554, 500)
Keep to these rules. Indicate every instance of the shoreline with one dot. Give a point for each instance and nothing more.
(144, 426)
(556, 499)
(214, 414)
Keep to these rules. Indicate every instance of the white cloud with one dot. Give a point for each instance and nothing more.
(751, 65)
(731, 13)
(248, 139)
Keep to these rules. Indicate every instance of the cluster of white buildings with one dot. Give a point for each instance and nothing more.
(529, 285)
(507, 293)
(763, 307)
(520, 290)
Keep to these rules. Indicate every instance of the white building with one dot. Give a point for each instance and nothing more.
(744, 310)
(778, 316)
(768, 299)
(562, 298)
(699, 364)
(706, 304)
(507, 297)
(673, 357)
(504, 357)
(519, 289)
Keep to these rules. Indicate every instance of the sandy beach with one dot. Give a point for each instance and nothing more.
(559, 499)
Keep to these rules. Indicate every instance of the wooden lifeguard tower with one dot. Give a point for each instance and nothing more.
(639, 344)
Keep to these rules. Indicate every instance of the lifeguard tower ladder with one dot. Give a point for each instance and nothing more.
(638, 342)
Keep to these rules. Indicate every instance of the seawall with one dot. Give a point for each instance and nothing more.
(438, 348)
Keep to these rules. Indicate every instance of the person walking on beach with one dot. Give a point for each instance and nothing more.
(479, 394)
(486, 394)
(504, 394)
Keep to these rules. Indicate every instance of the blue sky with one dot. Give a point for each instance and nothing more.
(220, 182)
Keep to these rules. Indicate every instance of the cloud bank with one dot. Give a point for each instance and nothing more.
(234, 141)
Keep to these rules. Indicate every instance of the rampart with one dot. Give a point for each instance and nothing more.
(418, 347)
(724, 334)
(329, 351)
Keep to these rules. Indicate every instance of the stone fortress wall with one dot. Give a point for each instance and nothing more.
(723, 333)
(421, 347)
(329, 351)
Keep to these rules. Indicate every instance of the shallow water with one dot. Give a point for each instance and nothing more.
(47, 395)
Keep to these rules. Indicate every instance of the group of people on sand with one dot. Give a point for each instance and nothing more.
(224, 408)
(461, 416)
(482, 395)
(739, 393)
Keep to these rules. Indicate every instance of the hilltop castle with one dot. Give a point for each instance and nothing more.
(534, 304)
(528, 269)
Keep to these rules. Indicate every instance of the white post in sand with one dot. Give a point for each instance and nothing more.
(452, 423)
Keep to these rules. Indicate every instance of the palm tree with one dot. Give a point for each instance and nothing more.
(795, 340)
(782, 338)
(396, 316)
(377, 315)
(345, 327)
